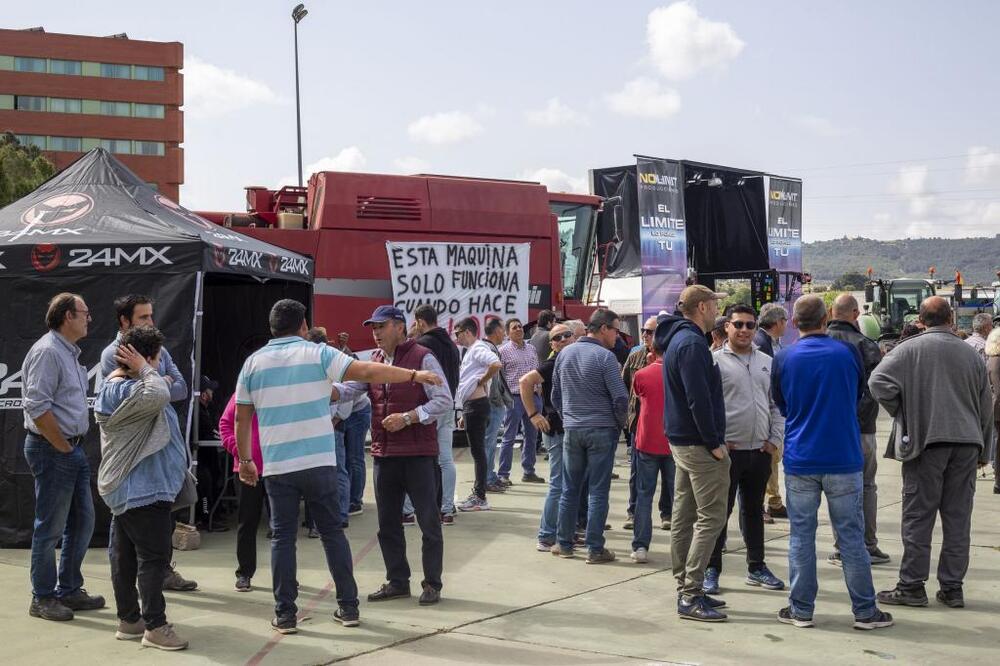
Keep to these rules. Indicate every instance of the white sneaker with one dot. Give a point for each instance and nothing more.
(640, 556)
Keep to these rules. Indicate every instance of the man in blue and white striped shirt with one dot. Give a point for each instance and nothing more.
(288, 384)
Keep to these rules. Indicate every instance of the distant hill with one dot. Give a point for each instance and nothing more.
(977, 258)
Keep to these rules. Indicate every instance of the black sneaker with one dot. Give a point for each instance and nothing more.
(532, 478)
(355, 509)
(409, 519)
(696, 608)
(285, 625)
(81, 601)
(49, 608)
(714, 602)
(349, 617)
(878, 620)
(243, 584)
(900, 597)
(313, 533)
(951, 598)
(600, 556)
(785, 616)
(429, 596)
(878, 557)
(389, 591)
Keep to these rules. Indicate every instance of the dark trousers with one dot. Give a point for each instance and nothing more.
(252, 501)
(748, 475)
(140, 553)
(318, 486)
(666, 484)
(416, 476)
(477, 416)
(940, 480)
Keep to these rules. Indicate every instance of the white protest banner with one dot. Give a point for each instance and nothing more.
(481, 280)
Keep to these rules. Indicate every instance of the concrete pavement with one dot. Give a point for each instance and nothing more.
(506, 603)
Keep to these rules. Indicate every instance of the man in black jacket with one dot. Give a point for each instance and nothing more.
(435, 338)
(695, 417)
(844, 327)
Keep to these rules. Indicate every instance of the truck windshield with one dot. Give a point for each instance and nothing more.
(576, 226)
(906, 300)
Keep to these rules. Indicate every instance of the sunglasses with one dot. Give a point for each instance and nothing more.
(739, 325)
(648, 331)
(561, 336)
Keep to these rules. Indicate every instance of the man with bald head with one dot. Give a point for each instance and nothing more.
(636, 361)
(936, 388)
(844, 327)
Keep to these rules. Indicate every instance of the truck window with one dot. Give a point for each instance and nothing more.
(576, 224)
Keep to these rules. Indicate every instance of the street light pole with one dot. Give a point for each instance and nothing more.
(298, 13)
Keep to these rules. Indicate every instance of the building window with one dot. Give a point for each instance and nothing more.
(148, 148)
(30, 65)
(119, 146)
(116, 71)
(116, 109)
(57, 105)
(67, 144)
(144, 73)
(26, 103)
(72, 67)
(148, 110)
(31, 140)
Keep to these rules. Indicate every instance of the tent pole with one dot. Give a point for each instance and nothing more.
(193, 415)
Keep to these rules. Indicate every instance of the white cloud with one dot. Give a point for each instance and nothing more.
(818, 125)
(556, 114)
(645, 98)
(211, 91)
(411, 165)
(348, 159)
(682, 43)
(444, 128)
(556, 180)
(923, 213)
(981, 165)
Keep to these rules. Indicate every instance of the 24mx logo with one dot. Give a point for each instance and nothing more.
(245, 258)
(118, 256)
(298, 265)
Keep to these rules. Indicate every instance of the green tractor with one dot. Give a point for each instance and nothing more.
(891, 304)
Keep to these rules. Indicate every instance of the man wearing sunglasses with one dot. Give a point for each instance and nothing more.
(754, 430)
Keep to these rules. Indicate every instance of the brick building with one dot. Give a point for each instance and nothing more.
(68, 94)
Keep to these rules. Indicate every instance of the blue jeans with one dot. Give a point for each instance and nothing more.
(446, 461)
(497, 416)
(844, 501)
(648, 468)
(588, 455)
(318, 486)
(550, 510)
(343, 476)
(517, 417)
(355, 429)
(64, 509)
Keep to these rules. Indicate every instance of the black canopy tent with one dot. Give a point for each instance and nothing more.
(98, 230)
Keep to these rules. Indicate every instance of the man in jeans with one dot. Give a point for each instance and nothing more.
(816, 384)
(288, 384)
(845, 327)
(651, 453)
(590, 397)
(770, 328)
(550, 425)
(937, 389)
(56, 421)
(479, 365)
(500, 401)
(754, 430)
(518, 358)
(696, 426)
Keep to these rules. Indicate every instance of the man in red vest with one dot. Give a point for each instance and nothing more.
(405, 452)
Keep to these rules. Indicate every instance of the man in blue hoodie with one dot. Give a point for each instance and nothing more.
(816, 383)
(695, 417)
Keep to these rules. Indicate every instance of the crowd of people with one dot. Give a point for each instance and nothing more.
(711, 405)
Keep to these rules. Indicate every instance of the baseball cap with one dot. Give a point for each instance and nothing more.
(698, 293)
(210, 384)
(384, 313)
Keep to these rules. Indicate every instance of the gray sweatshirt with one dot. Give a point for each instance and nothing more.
(752, 418)
(936, 386)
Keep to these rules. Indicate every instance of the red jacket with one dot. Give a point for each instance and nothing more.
(417, 439)
(650, 435)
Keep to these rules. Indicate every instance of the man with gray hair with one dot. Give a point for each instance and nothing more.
(816, 384)
(982, 324)
(770, 327)
(937, 390)
(844, 327)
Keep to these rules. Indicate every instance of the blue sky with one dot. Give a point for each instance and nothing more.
(548, 89)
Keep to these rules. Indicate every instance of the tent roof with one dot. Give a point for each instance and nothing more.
(98, 206)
